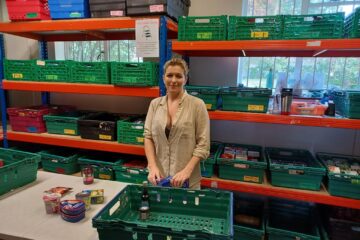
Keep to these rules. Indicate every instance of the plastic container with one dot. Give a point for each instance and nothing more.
(21, 70)
(170, 217)
(307, 107)
(105, 9)
(208, 94)
(53, 70)
(131, 131)
(64, 9)
(90, 72)
(207, 166)
(64, 123)
(24, 10)
(132, 171)
(347, 103)
(60, 160)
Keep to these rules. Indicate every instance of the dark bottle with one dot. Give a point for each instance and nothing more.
(144, 210)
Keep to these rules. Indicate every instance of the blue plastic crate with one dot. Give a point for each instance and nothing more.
(62, 9)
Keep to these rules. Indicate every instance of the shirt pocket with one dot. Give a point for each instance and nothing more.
(187, 130)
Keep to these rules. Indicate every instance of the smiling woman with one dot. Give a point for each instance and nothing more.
(177, 132)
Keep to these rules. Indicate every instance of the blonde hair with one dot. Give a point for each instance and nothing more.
(177, 62)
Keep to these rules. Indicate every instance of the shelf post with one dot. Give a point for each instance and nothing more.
(163, 53)
(2, 92)
(43, 53)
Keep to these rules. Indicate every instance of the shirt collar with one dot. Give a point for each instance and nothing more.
(164, 99)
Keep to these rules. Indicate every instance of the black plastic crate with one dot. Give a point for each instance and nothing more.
(104, 9)
(100, 126)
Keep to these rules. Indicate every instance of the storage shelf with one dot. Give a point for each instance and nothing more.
(80, 29)
(294, 194)
(100, 89)
(270, 48)
(75, 142)
(283, 119)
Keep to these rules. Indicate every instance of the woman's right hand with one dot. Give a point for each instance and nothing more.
(154, 175)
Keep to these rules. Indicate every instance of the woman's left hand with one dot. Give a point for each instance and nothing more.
(179, 178)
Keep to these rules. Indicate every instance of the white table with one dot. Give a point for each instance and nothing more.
(23, 216)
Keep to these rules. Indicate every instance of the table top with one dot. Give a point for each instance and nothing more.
(23, 214)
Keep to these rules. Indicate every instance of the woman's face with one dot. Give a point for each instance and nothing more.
(174, 79)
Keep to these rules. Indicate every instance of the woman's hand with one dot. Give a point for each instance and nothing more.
(154, 175)
(179, 178)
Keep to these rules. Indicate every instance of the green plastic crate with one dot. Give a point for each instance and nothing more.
(207, 166)
(347, 103)
(20, 168)
(175, 214)
(60, 160)
(352, 24)
(208, 94)
(90, 72)
(131, 131)
(135, 74)
(54, 70)
(342, 184)
(255, 27)
(240, 168)
(245, 99)
(133, 171)
(102, 164)
(63, 123)
(294, 168)
(22, 70)
(205, 28)
(314, 26)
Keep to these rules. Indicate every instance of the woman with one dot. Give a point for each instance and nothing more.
(177, 132)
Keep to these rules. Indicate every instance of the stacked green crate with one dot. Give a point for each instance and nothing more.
(208, 94)
(135, 74)
(292, 220)
(131, 131)
(90, 72)
(294, 168)
(131, 171)
(347, 103)
(251, 28)
(63, 123)
(202, 28)
(207, 166)
(352, 24)
(53, 70)
(22, 70)
(19, 168)
(245, 99)
(102, 164)
(343, 174)
(60, 160)
(242, 162)
(314, 26)
(175, 213)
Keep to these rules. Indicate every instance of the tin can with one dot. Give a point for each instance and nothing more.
(52, 202)
(85, 197)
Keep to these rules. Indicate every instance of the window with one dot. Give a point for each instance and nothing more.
(301, 73)
(93, 51)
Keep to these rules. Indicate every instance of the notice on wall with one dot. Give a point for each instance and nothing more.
(147, 38)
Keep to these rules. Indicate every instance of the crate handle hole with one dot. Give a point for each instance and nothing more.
(158, 197)
(197, 201)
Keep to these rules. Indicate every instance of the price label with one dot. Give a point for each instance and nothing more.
(105, 137)
(255, 107)
(259, 34)
(40, 63)
(251, 179)
(117, 13)
(156, 8)
(69, 131)
(140, 139)
(17, 75)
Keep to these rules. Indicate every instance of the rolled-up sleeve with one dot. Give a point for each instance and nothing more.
(148, 121)
(202, 132)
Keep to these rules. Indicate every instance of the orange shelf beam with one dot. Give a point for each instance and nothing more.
(101, 89)
(75, 142)
(80, 29)
(273, 48)
(287, 193)
(283, 119)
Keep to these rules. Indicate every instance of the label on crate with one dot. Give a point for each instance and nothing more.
(296, 172)
(202, 20)
(259, 34)
(259, 20)
(51, 77)
(105, 137)
(131, 171)
(17, 75)
(140, 139)
(208, 106)
(308, 19)
(243, 166)
(32, 15)
(118, 13)
(54, 160)
(75, 14)
(104, 176)
(204, 35)
(40, 63)
(251, 179)
(156, 8)
(69, 131)
(114, 208)
(255, 107)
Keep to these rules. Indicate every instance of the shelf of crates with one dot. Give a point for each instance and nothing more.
(266, 189)
(269, 48)
(313, 121)
(122, 28)
(101, 89)
(75, 142)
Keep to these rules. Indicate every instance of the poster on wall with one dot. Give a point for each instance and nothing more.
(147, 38)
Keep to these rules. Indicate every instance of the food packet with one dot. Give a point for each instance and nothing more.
(60, 190)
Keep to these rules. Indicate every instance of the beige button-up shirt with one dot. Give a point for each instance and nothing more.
(189, 135)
